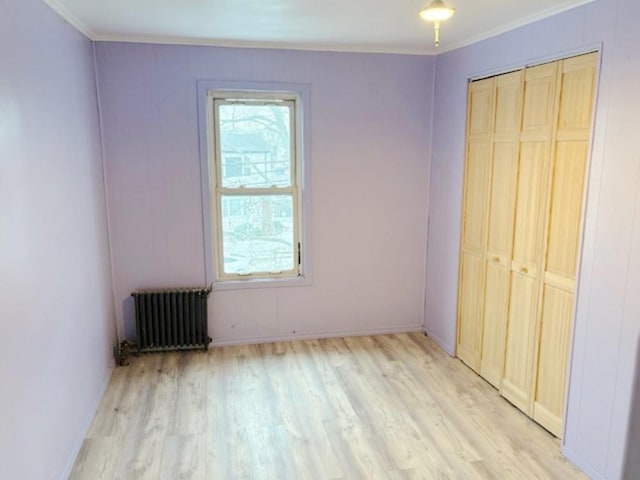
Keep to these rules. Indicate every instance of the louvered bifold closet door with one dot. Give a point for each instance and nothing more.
(480, 112)
(540, 98)
(502, 194)
(566, 192)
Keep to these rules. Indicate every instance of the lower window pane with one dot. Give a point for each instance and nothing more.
(257, 234)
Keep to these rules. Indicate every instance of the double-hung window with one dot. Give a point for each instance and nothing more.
(255, 185)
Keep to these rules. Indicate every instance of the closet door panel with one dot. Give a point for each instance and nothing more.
(474, 221)
(529, 206)
(562, 237)
(516, 382)
(566, 208)
(539, 101)
(499, 246)
(470, 309)
(555, 329)
(476, 193)
(471, 281)
(578, 85)
(496, 308)
(536, 137)
(503, 194)
(508, 106)
(480, 114)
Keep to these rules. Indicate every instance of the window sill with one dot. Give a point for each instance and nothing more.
(224, 285)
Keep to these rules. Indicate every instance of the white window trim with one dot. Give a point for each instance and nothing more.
(207, 90)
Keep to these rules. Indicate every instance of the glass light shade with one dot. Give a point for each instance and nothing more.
(437, 11)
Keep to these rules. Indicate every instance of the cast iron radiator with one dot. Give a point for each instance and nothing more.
(171, 319)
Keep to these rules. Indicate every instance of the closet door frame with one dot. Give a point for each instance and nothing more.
(587, 189)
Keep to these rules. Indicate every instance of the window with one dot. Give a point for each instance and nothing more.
(256, 185)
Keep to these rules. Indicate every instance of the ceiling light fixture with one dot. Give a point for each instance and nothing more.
(436, 12)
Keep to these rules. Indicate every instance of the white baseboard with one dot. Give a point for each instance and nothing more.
(579, 462)
(442, 344)
(86, 424)
(313, 336)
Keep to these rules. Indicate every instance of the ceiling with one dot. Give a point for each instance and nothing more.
(337, 25)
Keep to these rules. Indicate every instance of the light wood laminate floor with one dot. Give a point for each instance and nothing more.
(380, 407)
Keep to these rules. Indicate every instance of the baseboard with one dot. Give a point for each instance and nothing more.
(578, 462)
(87, 422)
(442, 344)
(312, 336)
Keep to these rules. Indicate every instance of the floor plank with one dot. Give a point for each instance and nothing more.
(379, 407)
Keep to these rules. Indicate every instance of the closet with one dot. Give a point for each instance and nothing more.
(527, 146)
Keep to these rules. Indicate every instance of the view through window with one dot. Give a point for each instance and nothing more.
(256, 187)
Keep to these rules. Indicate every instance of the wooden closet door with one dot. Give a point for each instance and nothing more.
(562, 238)
(472, 255)
(535, 147)
(504, 169)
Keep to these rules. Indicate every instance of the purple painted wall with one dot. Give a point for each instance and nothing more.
(56, 308)
(608, 310)
(370, 121)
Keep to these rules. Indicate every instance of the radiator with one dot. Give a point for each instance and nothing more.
(171, 319)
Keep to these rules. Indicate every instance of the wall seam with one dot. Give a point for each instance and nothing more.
(429, 176)
(634, 226)
(118, 335)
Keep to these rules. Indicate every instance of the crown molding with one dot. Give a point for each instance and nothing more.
(316, 47)
(78, 24)
(427, 50)
(549, 12)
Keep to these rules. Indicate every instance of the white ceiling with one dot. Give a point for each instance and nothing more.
(340, 25)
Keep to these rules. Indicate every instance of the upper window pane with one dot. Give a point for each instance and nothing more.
(255, 145)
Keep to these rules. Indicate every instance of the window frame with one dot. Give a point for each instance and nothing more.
(217, 192)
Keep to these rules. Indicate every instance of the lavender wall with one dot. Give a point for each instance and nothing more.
(56, 313)
(608, 311)
(632, 455)
(369, 141)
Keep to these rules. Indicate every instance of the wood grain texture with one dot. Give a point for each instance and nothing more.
(496, 311)
(480, 111)
(517, 376)
(502, 196)
(476, 193)
(540, 99)
(381, 407)
(470, 309)
(562, 237)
